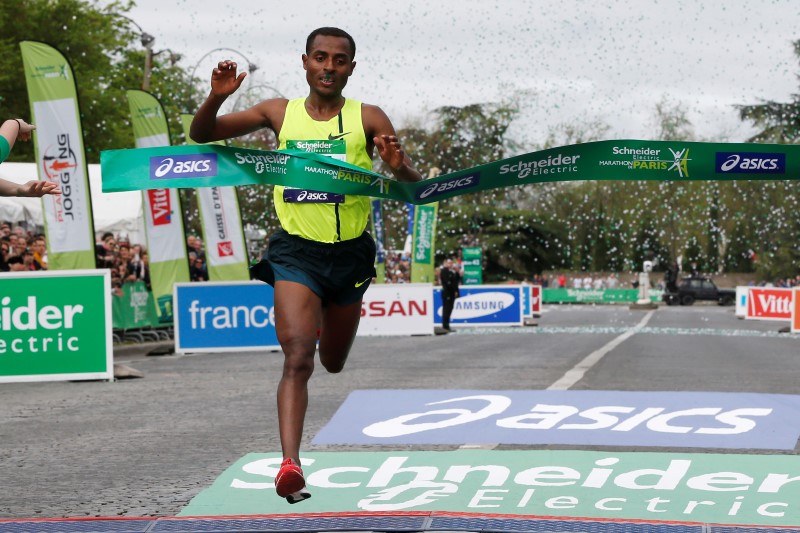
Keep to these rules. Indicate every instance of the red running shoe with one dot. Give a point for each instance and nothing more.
(290, 483)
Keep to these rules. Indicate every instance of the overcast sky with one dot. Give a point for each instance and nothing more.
(579, 61)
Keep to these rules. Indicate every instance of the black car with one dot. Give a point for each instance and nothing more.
(694, 288)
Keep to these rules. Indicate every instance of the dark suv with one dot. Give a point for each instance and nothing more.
(692, 289)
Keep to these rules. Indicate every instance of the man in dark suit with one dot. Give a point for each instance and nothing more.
(450, 277)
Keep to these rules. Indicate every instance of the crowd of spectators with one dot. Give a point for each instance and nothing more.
(21, 250)
(398, 267)
(25, 250)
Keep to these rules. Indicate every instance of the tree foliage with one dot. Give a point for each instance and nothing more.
(779, 121)
(106, 59)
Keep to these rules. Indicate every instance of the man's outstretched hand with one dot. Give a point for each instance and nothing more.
(224, 81)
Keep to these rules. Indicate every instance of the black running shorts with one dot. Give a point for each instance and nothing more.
(338, 272)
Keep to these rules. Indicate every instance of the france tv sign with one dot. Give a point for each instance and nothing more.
(224, 317)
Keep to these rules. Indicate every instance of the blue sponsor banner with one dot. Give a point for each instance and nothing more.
(483, 305)
(593, 418)
(184, 166)
(224, 317)
(750, 163)
(526, 301)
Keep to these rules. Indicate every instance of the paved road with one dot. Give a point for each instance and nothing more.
(145, 447)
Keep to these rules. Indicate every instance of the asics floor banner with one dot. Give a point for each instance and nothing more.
(163, 213)
(56, 326)
(58, 143)
(769, 304)
(397, 309)
(796, 310)
(221, 224)
(224, 317)
(483, 305)
(741, 301)
(218, 166)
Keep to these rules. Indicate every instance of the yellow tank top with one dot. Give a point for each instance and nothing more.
(313, 215)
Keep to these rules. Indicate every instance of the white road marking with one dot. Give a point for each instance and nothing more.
(577, 372)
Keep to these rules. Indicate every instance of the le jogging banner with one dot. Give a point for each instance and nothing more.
(397, 309)
(193, 166)
(587, 418)
(796, 310)
(423, 244)
(769, 303)
(60, 159)
(483, 305)
(704, 488)
(221, 223)
(224, 317)
(56, 326)
(378, 234)
(163, 213)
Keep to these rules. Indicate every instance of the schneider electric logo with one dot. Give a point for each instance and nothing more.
(451, 185)
(183, 166)
(552, 165)
(750, 163)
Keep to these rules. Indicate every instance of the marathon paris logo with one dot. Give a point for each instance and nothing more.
(183, 166)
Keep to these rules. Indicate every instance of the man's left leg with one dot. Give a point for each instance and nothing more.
(339, 326)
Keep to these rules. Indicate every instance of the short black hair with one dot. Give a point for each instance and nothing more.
(331, 32)
(15, 259)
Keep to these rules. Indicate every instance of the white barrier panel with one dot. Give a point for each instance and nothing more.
(741, 301)
(397, 309)
(769, 304)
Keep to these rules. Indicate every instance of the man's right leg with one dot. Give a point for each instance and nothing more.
(447, 310)
(298, 313)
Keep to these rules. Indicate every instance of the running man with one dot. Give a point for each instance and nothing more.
(321, 261)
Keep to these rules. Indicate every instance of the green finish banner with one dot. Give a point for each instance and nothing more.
(595, 296)
(163, 213)
(221, 224)
(690, 487)
(206, 166)
(56, 326)
(60, 159)
(472, 264)
(423, 244)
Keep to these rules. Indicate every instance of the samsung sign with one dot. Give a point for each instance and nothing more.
(224, 317)
(591, 418)
(483, 305)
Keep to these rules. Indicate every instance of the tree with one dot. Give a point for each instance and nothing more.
(780, 121)
(106, 60)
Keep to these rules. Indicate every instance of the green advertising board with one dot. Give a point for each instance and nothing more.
(472, 263)
(595, 296)
(698, 487)
(55, 326)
